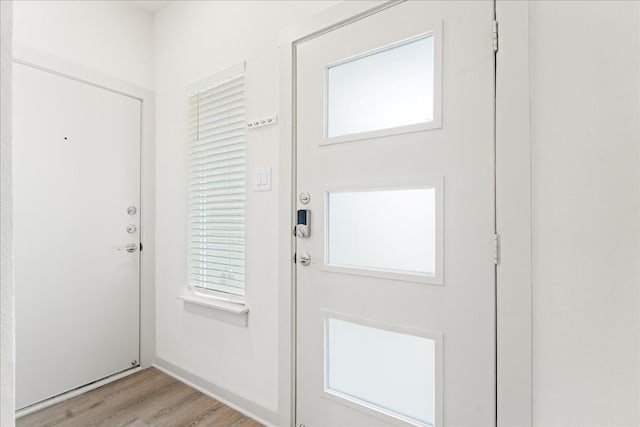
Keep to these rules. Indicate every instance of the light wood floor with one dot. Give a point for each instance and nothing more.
(146, 398)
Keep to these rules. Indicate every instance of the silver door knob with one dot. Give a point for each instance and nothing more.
(305, 259)
(131, 248)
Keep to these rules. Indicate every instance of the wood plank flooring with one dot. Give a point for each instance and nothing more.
(148, 398)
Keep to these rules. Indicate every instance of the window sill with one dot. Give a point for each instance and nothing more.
(226, 311)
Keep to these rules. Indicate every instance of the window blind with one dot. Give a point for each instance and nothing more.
(217, 187)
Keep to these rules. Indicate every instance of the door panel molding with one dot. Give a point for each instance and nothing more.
(405, 183)
(354, 403)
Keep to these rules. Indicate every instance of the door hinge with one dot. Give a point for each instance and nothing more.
(495, 248)
(295, 258)
(495, 36)
(140, 246)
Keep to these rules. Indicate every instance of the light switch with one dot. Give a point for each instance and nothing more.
(262, 179)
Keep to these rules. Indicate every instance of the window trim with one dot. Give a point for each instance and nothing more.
(213, 295)
(435, 182)
(434, 124)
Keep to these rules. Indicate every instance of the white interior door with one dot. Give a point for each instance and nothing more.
(395, 282)
(76, 173)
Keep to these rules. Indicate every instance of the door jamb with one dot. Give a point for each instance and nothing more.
(513, 207)
(43, 61)
(514, 348)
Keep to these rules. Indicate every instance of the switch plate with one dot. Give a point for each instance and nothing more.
(262, 180)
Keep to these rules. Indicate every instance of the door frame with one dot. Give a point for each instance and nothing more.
(47, 63)
(514, 345)
(512, 205)
(7, 338)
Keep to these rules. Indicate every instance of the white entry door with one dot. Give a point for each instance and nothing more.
(77, 208)
(395, 280)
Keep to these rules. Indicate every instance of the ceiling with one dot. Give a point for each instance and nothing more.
(151, 6)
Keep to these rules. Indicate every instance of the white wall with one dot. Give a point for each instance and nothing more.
(585, 94)
(194, 40)
(111, 37)
(7, 352)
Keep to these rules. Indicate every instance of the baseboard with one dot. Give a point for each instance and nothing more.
(241, 404)
(73, 393)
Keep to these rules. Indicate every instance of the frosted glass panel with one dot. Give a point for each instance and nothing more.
(388, 371)
(392, 230)
(386, 89)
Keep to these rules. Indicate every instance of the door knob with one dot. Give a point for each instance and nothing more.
(131, 248)
(305, 259)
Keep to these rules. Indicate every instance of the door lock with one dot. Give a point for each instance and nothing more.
(305, 198)
(303, 223)
(305, 259)
(131, 248)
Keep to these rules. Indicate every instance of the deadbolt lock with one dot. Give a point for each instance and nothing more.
(305, 198)
(303, 223)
